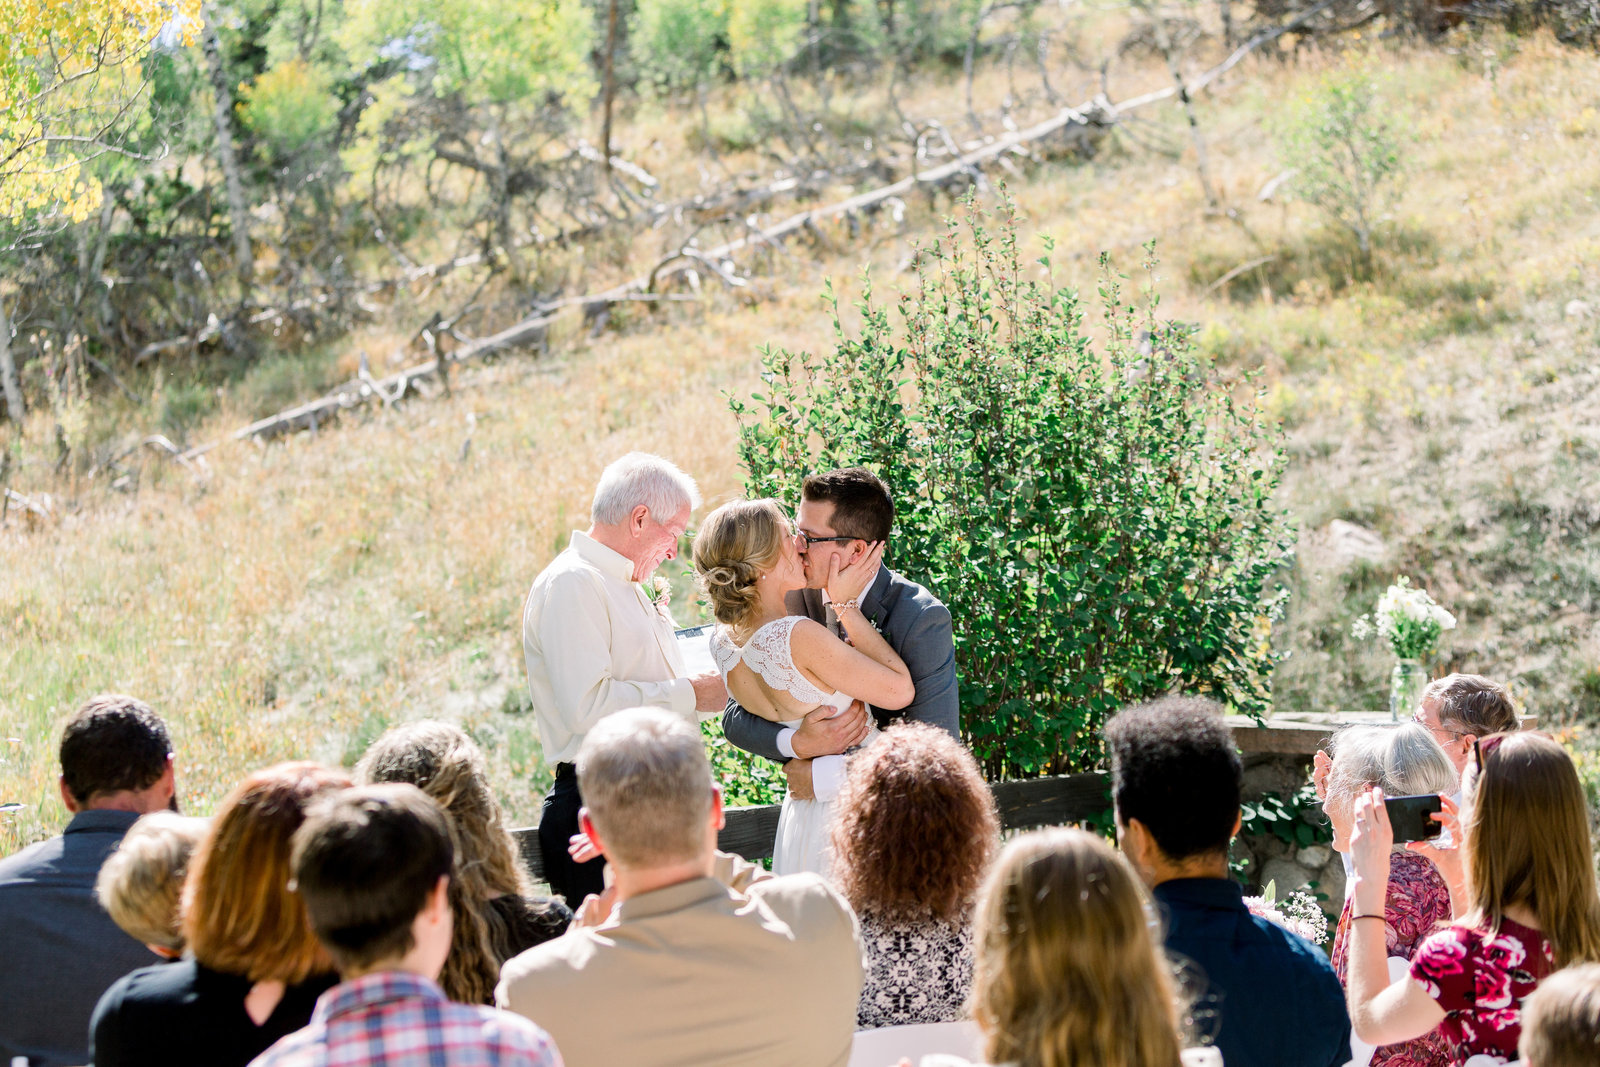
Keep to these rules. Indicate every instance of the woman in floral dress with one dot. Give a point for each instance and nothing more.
(1403, 761)
(1531, 904)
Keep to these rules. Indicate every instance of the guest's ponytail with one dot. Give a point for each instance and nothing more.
(737, 543)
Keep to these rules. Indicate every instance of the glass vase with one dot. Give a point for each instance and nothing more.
(1406, 683)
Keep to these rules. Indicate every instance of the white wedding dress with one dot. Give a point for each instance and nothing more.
(803, 824)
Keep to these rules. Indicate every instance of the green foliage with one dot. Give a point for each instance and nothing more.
(483, 51)
(289, 107)
(1344, 153)
(745, 779)
(1295, 819)
(685, 40)
(762, 34)
(1099, 522)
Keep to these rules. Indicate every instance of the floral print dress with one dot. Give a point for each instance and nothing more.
(1418, 904)
(1480, 978)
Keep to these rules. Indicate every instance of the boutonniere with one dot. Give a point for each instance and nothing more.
(659, 590)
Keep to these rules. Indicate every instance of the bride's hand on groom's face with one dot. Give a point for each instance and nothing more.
(849, 581)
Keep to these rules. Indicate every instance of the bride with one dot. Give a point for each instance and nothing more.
(781, 666)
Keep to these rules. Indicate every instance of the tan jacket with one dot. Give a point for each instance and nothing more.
(699, 975)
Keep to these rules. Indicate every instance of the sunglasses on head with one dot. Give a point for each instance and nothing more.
(1481, 748)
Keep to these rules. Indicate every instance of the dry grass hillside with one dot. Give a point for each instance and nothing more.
(300, 596)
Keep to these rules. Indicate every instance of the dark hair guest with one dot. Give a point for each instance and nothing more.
(913, 836)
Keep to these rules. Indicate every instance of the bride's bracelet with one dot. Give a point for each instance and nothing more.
(840, 605)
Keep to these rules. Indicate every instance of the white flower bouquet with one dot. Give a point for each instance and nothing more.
(1408, 619)
(1299, 913)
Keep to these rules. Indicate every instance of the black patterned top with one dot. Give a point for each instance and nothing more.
(917, 972)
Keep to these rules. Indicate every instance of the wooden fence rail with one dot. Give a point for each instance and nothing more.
(750, 832)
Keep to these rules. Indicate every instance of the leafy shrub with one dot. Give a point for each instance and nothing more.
(764, 33)
(685, 40)
(1344, 154)
(289, 107)
(1098, 522)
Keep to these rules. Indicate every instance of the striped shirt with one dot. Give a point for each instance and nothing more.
(397, 1019)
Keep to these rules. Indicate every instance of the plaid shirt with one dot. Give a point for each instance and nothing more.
(396, 1019)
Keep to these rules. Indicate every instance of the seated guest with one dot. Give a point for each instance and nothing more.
(1070, 968)
(373, 866)
(59, 950)
(684, 971)
(1175, 782)
(1561, 1020)
(496, 913)
(1403, 760)
(1531, 904)
(140, 883)
(255, 969)
(1458, 709)
(912, 838)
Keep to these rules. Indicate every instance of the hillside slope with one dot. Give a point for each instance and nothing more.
(301, 596)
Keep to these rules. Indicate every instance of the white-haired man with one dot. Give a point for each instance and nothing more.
(684, 970)
(597, 638)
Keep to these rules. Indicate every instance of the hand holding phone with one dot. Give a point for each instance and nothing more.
(1412, 817)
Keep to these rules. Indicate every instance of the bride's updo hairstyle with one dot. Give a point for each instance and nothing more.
(736, 543)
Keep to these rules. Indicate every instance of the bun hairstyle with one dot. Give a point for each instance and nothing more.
(736, 543)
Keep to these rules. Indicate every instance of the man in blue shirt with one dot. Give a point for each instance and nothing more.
(60, 950)
(1268, 997)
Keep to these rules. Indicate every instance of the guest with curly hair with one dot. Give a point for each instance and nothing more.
(491, 897)
(912, 838)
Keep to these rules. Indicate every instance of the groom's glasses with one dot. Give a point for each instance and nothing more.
(823, 540)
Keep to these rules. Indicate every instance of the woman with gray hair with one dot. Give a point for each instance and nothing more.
(1404, 760)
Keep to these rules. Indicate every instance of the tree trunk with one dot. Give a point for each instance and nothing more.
(8, 371)
(222, 114)
(610, 91)
(1169, 50)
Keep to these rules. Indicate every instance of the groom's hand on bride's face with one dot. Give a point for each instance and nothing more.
(819, 735)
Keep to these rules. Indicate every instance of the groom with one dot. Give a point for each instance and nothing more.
(841, 513)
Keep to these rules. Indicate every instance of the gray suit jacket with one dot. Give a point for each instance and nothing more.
(916, 626)
(60, 949)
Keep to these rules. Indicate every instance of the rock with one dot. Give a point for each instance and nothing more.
(1285, 875)
(1314, 857)
(1351, 541)
(1578, 309)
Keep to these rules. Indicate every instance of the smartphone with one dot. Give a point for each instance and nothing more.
(1410, 817)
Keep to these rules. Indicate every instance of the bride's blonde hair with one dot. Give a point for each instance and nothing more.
(1068, 969)
(736, 543)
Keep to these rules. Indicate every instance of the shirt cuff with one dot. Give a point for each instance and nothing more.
(827, 776)
(786, 742)
(681, 692)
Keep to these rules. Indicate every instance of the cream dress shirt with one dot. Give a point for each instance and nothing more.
(595, 644)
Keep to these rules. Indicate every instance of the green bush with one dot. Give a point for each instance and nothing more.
(1344, 154)
(1098, 521)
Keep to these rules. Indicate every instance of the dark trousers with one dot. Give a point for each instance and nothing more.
(557, 823)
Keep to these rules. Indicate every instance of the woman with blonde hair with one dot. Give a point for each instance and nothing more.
(141, 884)
(254, 969)
(491, 897)
(1529, 903)
(913, 835)
(781, 666)
(1070, 971)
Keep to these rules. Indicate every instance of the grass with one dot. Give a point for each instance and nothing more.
(300, 597)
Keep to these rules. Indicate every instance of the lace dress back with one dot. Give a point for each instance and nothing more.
(768, 653)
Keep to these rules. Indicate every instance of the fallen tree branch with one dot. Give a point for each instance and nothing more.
(1075, 125)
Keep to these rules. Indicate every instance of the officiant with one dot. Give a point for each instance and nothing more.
(598, 638)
